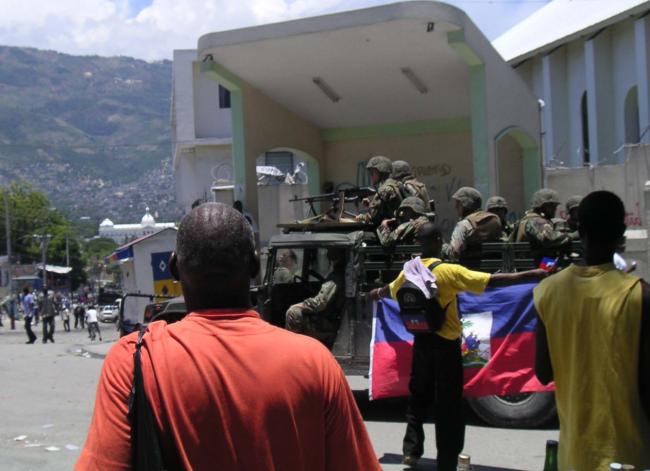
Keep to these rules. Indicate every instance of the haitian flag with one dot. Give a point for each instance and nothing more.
(498, 345)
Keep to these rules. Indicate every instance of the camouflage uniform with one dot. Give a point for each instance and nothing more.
(388, 197)
(283, 275)
(537, 228)
(410, 186)
(474, 229)
(496, 203)
(569, 226)
(406, 231)
(327, 306)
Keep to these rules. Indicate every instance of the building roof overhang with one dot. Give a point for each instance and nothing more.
(404, 62)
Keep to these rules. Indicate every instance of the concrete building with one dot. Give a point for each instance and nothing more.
(590, 64)
(413, 80)
(122, 233)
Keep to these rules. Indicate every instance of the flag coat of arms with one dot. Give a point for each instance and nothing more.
(498, 345)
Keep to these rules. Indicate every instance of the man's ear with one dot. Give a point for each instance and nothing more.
(254, 264)
(173, 266)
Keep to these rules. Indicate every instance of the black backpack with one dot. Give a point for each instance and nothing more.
(419, 314)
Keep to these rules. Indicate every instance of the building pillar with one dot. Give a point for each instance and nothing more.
(244, 171)
(599, 98)
(556, 125)
(484, 173)
(642, 52)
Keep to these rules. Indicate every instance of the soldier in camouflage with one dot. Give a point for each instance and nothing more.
(410, 186)
(388, 197)
(475, 226)
(411, 215)
(321, 312)
(536, 227)
(498, 205)
(569, 225)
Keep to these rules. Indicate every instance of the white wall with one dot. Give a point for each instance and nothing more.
(606, 66)
(209, 119)
(183, 96)
(194, 171)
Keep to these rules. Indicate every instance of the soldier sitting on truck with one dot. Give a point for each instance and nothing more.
(536, 227)
(570, 224)
(410, 186)
(498, 205)
(475, 227)
(287, 266)
(388, 197)
(321, 313)
(410, 216)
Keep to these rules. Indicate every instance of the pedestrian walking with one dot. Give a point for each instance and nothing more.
(249, 409)
(79, 315)
(48, 312)
(437, 366)
(93, 324)
(28, 313)
(593, 340)
(65, 315)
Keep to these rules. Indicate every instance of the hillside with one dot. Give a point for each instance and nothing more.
(91, 132)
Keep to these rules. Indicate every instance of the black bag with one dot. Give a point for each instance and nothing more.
(146, 454)
(419, 314)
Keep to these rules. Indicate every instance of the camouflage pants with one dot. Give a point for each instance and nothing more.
(295, 320)
(298, 321)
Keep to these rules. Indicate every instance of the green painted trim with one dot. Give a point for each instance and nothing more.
(532, 173)
(456, 39)
(224, 77)
(220, 74)
(413, 128)
(480, 153)
(313, 176)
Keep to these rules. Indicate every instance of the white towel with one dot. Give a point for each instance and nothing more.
(417, 273)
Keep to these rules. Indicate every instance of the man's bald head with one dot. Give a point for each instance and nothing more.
(215, 250)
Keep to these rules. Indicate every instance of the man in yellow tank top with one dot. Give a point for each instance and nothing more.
(593, 341)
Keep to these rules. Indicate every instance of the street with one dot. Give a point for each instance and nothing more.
(47, 394)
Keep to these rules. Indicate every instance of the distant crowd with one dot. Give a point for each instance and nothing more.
(44, 307)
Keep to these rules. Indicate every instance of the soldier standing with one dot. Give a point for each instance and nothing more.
(498, 205)
(410, 186)
(411, 215)
(475, 226)
(388, 197)
(536, 227)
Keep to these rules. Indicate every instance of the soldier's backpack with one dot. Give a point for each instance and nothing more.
(486, 228)
(419, 314)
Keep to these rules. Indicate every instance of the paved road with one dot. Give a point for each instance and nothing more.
(47, 394)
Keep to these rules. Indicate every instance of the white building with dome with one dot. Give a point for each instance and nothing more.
(122, 233)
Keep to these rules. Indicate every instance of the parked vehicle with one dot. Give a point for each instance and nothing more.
(108, 313)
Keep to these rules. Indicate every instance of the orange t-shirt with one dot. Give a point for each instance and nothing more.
(231, 392)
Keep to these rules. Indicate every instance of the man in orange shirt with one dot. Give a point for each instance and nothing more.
(228, 391)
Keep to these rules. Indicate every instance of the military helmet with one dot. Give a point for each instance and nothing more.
(544, 196)
(496, 202)
(415, 203)
(401, 169)
(469, 197)
(573, 202)
(381, 163)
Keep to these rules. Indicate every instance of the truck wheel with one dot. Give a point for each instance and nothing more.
(521, 410)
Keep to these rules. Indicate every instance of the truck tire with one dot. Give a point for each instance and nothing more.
(518, 411)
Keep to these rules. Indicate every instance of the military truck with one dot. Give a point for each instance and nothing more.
(369, 265)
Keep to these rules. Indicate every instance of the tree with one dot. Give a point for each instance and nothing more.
(31, 214)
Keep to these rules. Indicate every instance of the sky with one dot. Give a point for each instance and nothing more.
(152, 29)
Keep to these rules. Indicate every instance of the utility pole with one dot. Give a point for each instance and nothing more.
(44, 239)
(8, 237)
(67, 248)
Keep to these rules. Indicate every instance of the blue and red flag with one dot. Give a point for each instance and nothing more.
(498, 345)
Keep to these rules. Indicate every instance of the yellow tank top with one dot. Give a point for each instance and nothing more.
(592, 317)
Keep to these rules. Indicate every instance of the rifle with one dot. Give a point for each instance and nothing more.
(348, 195)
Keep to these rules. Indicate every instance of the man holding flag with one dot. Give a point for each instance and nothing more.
(437, 369)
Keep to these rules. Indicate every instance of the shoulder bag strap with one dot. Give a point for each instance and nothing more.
(146, 454)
